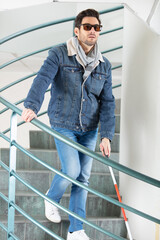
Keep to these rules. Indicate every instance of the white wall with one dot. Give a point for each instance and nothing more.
(140, 122)
(155, 20)
(15, 20)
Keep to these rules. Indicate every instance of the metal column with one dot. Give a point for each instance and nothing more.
(12, 181)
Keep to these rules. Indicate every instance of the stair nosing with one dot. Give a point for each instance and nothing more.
(46, 171)
(22, 219)
(28, 194)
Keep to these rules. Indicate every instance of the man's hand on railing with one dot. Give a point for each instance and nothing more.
(28, 115)
(105, 147)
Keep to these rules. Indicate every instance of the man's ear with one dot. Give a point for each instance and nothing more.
(76, 31)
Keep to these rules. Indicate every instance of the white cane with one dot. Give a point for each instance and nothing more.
(120, 200)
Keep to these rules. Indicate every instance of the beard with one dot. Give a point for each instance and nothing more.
(90, 43)
(87, 42)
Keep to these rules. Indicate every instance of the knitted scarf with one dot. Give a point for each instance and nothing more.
(89, 61)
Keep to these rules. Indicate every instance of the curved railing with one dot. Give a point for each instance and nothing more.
(48, 48)
(42, 126)
(80, 148)
(31, 29)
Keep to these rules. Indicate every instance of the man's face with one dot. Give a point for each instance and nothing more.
(88, 38)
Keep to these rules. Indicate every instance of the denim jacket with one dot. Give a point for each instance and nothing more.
(74, 104)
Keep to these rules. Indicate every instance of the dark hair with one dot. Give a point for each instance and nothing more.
(86, 13)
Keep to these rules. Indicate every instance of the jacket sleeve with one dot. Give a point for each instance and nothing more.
(107, 108)
(42, 81)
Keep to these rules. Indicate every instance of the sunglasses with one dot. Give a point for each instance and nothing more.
(88, 27)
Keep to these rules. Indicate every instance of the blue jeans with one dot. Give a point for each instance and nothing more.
(78, 166)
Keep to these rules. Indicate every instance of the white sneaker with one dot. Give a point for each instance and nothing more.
(77, 235)
(51, 212)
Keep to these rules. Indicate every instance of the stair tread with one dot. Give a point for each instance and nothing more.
(43, 140)
(28, 194)
(39, 131)
(113, 154)
(49, 150)
(46, 171)
(22, 219)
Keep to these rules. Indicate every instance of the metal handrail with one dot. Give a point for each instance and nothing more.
(81, 149)
(100, 158)
(17, 81)
(87, 152)
(2, 225)
(24, 56)
(111, 31)
(111, 50)
(55, 203)
(46, 49)
(31, 29)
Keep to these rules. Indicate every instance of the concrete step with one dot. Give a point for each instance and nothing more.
(34, 205)
(26, 230)
(41, 180)
(50, 157)
(42, 140)
(117, 124)
(118, 106)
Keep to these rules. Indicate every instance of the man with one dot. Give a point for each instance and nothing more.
(81, 96)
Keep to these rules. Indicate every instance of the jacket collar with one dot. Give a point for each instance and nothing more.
(72, 50)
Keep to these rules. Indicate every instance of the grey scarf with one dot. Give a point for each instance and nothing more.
(90, 60)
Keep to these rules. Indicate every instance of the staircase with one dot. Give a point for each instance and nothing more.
(100, 212)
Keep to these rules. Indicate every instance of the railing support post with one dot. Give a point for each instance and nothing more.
(12, 180)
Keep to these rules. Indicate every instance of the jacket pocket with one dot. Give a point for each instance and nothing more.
(98, 80)
(72, 76)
